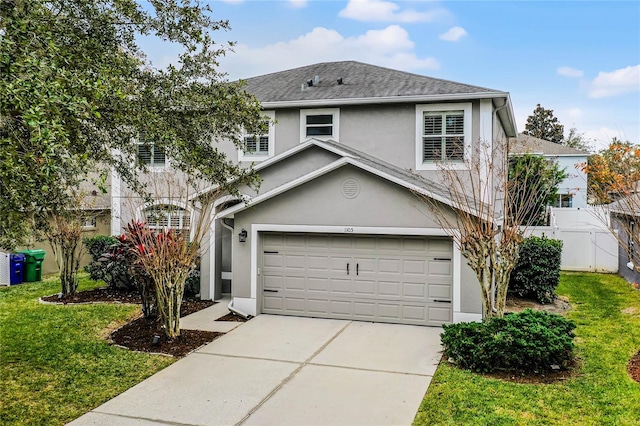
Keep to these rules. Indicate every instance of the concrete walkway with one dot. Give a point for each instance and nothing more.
(278, 370)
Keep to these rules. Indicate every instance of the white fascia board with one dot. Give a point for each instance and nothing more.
(383, 100)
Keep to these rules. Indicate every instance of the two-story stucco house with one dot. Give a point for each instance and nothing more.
(336, 229)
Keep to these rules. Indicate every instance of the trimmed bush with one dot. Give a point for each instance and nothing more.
(529, 341)
(537, 272)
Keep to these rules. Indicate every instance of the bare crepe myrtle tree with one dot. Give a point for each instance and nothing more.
(64, 232)
(487, 212)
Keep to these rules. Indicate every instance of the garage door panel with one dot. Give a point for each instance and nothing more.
(414, 266)
(388, 288)
(414, 290)
(292, 261)
(389, 279)
(318, 263)
(273, 260)
(292, 283)
(439, 291)
(442, 268)
(364, 288)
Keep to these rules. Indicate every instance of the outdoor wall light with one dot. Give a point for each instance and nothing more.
(242, 236)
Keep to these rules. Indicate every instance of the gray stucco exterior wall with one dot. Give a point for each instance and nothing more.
(321, 203)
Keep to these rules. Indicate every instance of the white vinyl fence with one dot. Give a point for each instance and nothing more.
(587, 244)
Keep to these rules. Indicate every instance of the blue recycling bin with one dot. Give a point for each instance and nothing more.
(16, 262)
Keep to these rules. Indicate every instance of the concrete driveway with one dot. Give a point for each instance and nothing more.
(278, 370)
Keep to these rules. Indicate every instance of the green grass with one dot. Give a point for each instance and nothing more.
(607, 312)
(54, 364)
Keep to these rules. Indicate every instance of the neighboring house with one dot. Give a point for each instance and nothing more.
(97, 213)
(572, 192)
(336, 229)
(624, 215)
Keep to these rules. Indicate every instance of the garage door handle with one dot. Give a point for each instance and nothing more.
(357, 269)
(442, 259)
(347, 268)
(268, 290)
(270, 252)
(441, 301)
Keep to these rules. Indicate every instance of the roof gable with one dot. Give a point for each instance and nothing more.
(359, 81)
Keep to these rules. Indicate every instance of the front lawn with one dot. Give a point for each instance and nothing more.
(607, 312)
(55, 364)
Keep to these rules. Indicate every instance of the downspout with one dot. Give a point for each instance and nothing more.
(493, 277)
(230, 305)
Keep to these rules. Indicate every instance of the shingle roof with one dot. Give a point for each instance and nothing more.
(359, 81)
(528, 144)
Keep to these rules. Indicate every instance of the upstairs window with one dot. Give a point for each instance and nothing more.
(151, 155)
(259, 147)
(320, 124)
(443, 134)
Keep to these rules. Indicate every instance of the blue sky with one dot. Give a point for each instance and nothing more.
(578, 58)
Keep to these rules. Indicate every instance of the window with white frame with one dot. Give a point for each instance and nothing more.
(258, 147)
(564, 200)
(165, 217)
(151, 155)
(443, 134)
(320, 124)
(90, 223)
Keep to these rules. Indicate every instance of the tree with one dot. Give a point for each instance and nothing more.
(577, 140)
(613, 185)
(544, 125)
(613, 173)
(539, 174)
(488, 210)
(76, 90)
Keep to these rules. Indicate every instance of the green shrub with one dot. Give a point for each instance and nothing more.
(107, 263)
(529, 341)
(192, 284)
(537, 272)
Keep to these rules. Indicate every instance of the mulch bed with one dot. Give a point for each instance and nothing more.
(232, 317)
(634, 367)
(138, 335)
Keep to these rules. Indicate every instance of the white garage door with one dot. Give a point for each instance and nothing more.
(396, 279)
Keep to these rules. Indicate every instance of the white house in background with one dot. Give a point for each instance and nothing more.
(573, 190)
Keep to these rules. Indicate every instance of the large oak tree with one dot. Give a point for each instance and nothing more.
(77, 93)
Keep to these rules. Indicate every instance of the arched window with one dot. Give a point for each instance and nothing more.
(164, 217)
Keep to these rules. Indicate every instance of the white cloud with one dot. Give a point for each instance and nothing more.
(386, 11)
(603, 136)
(570, 72)
(454, 34)
(618, 82)
(574, 113)
(390, 47)
(298, 3)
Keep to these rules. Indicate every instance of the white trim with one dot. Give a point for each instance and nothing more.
(466, 107)
(386, 100)
(457, 279)
(116, 207)
(168, 201)
(486, 137)
(335, 125)
(466, 317)
(271, 133)
(256, 228)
